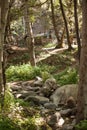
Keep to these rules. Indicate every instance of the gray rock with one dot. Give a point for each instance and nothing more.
(50, 105)
(23, 94)
(35, 89)
(26, 83)
(16, 88)
(66, 112)
(70, 103)
(38, 82)
(37, 99)
(49, 86)
(27, 88)
(27, 93)
(53, 119)
(68, 127)
(62, 94)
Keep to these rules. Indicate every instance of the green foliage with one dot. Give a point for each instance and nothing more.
(8, 124)
(68, 76)
(22, 72)
(49, 45)
(8, 99)
(29, 124)
(22, 102)
(45, 75)
(49, 68)
(26, 72)
(82, 125)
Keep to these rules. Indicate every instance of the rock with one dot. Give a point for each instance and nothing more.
(27, 93)
(55, 121)
(49, 86)
(27, 88)
(35, 89)
(70, 125)
(60, 122)
(38, 82)
(70, 103)
(66, 113)
(50, 105)
(17, 95)
(62, 94)
(67, 127)
(27, 83)
(16, 88)
(37, 99)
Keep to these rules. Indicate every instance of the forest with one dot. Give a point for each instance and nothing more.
(43, 64)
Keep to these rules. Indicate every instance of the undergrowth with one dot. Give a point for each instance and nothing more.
(26, 72)
(82, 125)
(22, 72)
(13, 117)
(68, 76)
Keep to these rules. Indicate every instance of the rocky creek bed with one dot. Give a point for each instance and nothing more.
(57, 105)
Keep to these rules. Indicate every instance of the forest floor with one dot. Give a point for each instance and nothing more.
(50, 58)
(20, 55)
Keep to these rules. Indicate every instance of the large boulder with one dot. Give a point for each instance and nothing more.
(62, 94)
(49, 86)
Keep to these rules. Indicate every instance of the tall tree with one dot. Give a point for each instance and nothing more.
(7, 29)
(59, 44)
(29, 32)
(82, 92)
(3, 19)
(77, 28)
(66, 25)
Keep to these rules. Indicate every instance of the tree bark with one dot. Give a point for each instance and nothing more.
(77, 29)
(66, 25)
(59, 45)
(3, 12)
(82, 92)
(29, 38)
(7, 29)
(1, 80)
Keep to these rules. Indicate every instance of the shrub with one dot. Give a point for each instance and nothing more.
(68, 76)
(26, 72)
(22, 72)
(45, 75)
(8, 124)
(82, 125)
(29, 124)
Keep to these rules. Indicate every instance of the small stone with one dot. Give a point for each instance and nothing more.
(65, 113)
(60, 122)
(50, 105)
(27, 93)
(16, 88)
(53, 119)
(38, 82)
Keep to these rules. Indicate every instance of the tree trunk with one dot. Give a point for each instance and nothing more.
(7, 29)
(29, 38)
(59, 45)
(82, 92)
(77, 28)
(1, 79)
(3, 19)
(66, 25)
